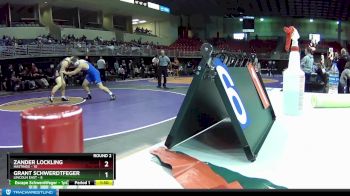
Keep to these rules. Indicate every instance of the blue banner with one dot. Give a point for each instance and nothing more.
(30, 192)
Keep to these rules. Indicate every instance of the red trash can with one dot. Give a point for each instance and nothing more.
(52, 129)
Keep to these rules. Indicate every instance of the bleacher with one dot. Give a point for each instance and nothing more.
(263, 46)
(189, 44)
(322, 46)
(25, 24)
(252, 46)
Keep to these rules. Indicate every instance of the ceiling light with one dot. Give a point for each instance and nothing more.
(128, 1)
(241, 19)
(261, 19)
(311, 20)
(135, 20)
(142, 21)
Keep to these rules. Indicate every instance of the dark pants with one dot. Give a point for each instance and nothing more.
(103, 74)
(344, 89)
(322, 76)
(162, 70)
(122, 76)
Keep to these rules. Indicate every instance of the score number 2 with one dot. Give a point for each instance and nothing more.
(106, 165)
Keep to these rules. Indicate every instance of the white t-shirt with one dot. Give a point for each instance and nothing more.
(101, 64)
(155, 61)
(121, 70)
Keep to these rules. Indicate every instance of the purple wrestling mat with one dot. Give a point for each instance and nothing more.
(133, 109)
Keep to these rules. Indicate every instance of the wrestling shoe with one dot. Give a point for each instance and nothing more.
(51, 99)
(113, 97)
(64, 99)
(88, 97)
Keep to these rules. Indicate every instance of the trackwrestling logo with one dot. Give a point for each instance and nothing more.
(231, 92)
(14, 192)
(20, 105)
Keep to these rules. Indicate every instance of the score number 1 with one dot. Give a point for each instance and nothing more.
(106, 165)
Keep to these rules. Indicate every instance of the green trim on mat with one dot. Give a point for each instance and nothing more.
(246, 182)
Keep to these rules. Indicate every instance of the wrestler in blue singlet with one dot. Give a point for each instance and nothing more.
(93, 75)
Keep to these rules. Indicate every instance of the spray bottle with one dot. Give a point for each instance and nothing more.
(293, 76)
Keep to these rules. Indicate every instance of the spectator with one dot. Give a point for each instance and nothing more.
(344, 81)
(270, 67)
(101, 66)
(116, 65)
(155, 60)
(15, 82)
(1, 79)
(124, 64)
(121, 73)
(137, 72)
(343, 59)
(34, 70)
(189, 68)
(176, 66)
(27, 77)
(7, 77)
(130, 69)
(307, 63)
(320, 69)
(256, 65)
(336, 56)
(155, 63)
(50, 74)
(41, 79)
(142, 68)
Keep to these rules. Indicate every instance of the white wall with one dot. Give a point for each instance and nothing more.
(166, 31)
(144, 38)
(90, 34)
(24, 32)
(214, 25)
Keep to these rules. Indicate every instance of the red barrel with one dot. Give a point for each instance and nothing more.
(52, 129)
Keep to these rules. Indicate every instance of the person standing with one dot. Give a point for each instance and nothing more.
(155, 63)
(164, 62)
(116, 66)
(131, 69)
(344, 79)
(101, 66)
(176, 66)
(307, 63)
(256, 65)
(342, 61)
(1, 79)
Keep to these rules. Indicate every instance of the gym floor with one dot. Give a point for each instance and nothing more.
(107, 126)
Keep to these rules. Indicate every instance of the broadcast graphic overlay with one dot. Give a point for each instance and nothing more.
(61, 169)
